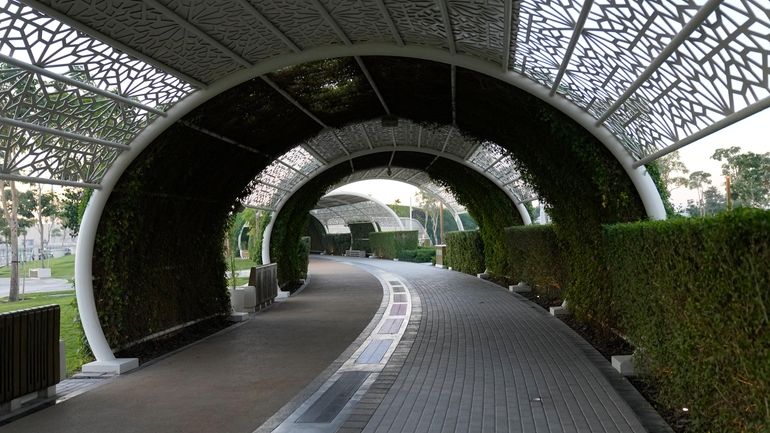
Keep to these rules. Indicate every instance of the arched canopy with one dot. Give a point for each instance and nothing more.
(287, 173)
(345, 208)
(656, 74)
(88, 86)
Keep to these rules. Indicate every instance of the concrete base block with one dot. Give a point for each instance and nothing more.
(117, 366)
(558, 311)
(62, 360)
(239, 317)
(522, 287)
(282, 294)
(249, 298)
(482, 275)
(49, 392)
(236, 299)
(439, 266)
(624, 364)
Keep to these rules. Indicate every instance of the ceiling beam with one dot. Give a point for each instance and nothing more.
(366, 137)
(472, 150)
(79, 84)
(450, 37)
(448, 137)
(389, 21)
(293, 101)
(758, 106)
(453, 81)
(675, 43)
(59, 133)
(190, 27)
(119, 46)
(502, 157)
(576, 34)
(248, 7)
(274, 186)
(313, 152)
(345, 39)
(32, 179)
(507, 32)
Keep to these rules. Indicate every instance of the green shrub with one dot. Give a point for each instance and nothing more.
(420, 255)
(336, 243)
(535, 257)
(465, 252)
(361, 244)
(693, 294)
(388, 244)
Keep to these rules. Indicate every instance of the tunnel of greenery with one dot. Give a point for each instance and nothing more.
(158, 258)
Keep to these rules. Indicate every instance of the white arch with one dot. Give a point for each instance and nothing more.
(105, 359)
(269, 228)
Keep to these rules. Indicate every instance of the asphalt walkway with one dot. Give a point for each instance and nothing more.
(372, 346)
(236, 380)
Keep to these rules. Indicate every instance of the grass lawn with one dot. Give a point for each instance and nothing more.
(241, 264)
(71, 332)
(62, 267)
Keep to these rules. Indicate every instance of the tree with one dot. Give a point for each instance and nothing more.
(697, 181)
(431, 208)
(714, 201)
(749, 176)
(673, 171)
(10, 204)
(35, 206)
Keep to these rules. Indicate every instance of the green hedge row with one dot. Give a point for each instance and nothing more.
(420, 255)
(388, 244)
(336, 243)
(694, 295)
(465, 252)
(691, 294)
(535, 257)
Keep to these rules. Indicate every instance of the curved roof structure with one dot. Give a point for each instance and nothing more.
(345, 208)
(86, 87)
(290, 171)
(81, 80)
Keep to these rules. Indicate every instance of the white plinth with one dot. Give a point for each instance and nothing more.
(117, 366)
(282, 294)
(624, 364)
(239, 317)
(522, 287)
(559, 311)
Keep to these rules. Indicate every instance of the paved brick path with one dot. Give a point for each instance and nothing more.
(485, 360)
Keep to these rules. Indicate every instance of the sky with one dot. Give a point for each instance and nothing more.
(751, 134)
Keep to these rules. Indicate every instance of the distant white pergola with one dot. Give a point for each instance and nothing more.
(87, 86)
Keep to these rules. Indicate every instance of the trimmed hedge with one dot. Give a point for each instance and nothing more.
(387, 245)
(336, 243)
(465, 252)
(535, 257)
(420, 255)
(694, 295)
(691, 294)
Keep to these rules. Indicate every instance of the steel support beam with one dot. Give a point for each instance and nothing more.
(576, 33)
(450, 36)
(293, 101)
(758, 106)
(192, 28)
(77, 25)
(674, 45)
(79, 84)
(59, 133)
(270, 26)
(32, 179)
(507, 32)
(389, 21)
